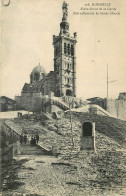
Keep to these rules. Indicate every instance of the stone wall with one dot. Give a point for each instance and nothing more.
(37, 103)
(18, 99)
(87, 143)
(9, 142)
(50, 83)
(33, 104)
(117, 108)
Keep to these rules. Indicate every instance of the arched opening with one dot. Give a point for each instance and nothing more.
(58, 93)
(36, 77)
(42, 75)
(69, 92)
(87, 129)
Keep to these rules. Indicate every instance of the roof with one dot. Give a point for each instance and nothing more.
(38, 69)
(51, 74)
(38, 85)
(93, 98)
(26, 87)
(8, 99)
(33, 87)
(122, 93)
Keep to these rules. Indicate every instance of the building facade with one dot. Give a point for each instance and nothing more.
(122, 96)
(7, 104)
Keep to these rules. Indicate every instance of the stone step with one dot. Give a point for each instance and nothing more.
(32, 150)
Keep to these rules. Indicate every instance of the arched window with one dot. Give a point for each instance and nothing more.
(68, 92)
(36, 77)
(65, 50)
(87, 129)
(68, 49)
(65, 65)
(42, 75)
(72, 50)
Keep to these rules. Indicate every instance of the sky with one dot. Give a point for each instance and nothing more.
(27, 29)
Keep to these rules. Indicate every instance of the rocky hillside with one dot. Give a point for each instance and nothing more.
(56, 134)
(82, 172)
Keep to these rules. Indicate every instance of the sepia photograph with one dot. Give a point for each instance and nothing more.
(63, 98)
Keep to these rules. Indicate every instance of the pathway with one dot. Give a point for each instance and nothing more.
(38, 177)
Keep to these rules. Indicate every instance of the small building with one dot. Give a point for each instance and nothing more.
(7, 104)
(122, 96)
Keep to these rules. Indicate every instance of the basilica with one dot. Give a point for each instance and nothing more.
(63, 78)
(59, 83)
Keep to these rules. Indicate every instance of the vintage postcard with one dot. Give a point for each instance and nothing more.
(63, 98)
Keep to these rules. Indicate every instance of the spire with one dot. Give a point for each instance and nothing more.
(64, 25)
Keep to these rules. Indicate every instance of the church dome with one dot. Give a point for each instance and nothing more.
(38, 73)
(38, 69)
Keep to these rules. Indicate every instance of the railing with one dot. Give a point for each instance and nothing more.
(100, 109)
(58, 102)
(8, 124)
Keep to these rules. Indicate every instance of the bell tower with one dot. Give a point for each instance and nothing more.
(65, 58)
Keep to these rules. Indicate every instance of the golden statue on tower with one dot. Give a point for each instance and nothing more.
(65, 10)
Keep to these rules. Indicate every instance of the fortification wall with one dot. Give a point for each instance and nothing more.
(117, 108)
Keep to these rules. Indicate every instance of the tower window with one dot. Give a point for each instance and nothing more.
(68, 49)
(72, 50)
(56, 52)
(65, 49)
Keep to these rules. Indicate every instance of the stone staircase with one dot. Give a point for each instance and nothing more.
(58, 102)
(27, 149)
